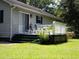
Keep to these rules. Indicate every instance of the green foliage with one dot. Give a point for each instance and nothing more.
(43, 35)
(40, 3)
(50, 28)
(43, 4)
(72, 15)
(58, 12)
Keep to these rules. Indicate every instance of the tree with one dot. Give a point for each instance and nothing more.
(45, 5)
(72, 16)
(57, 9)
(40, 3)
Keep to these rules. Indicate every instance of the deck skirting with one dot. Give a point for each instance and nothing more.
(52, 38)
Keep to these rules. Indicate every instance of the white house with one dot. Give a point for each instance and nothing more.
(19, 18)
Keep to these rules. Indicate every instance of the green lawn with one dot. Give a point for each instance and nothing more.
(68, 50)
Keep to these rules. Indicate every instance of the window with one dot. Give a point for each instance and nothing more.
(39, 19)
(1, 16)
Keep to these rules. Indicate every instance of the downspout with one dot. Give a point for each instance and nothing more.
(11, 34)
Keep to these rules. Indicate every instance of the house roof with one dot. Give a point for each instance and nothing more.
(30, 8)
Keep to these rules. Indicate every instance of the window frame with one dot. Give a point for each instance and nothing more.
(1, 16)
(39, 19)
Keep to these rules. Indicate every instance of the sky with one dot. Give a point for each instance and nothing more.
(56, 1)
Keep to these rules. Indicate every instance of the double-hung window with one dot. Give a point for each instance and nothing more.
(39, 19)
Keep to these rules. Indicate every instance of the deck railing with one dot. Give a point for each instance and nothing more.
(41, 27)
(50, 29)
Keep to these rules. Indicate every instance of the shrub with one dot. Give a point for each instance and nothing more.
(43, 36)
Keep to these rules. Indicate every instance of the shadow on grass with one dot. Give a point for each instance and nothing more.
(34, 41)
(40, 43)
(48, 42)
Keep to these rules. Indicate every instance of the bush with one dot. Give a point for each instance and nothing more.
(43, 36)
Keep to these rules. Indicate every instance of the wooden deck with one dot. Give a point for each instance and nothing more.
(52, 38)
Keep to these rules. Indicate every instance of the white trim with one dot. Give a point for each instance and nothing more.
(23, 12)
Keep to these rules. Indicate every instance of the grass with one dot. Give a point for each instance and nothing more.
(68, 50)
